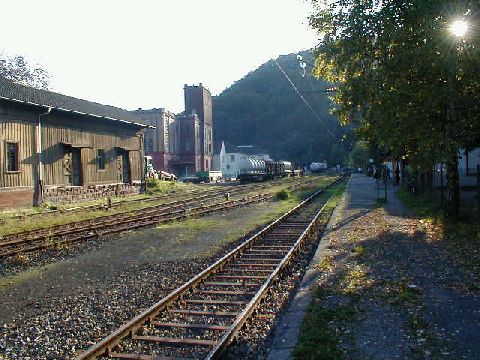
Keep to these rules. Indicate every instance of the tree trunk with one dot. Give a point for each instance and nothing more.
(453, 187)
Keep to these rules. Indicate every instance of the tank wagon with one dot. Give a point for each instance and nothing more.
(318, 166)
(257, 169)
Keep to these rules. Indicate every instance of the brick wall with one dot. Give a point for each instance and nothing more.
(10, 199)
(65, 194)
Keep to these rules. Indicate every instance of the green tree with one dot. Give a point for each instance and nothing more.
(336, 155)
(359, 156)
(408, 84)
(19, 70)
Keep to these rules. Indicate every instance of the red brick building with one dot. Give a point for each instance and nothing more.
(199, 100)
(182, 144)
(188, 159)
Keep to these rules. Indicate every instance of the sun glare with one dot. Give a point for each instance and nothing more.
(459, 28)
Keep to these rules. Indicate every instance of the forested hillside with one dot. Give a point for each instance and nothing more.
(263, 109)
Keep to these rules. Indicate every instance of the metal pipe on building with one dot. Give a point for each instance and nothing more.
(39, 187)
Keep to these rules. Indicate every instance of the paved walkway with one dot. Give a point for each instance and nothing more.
(409, 297)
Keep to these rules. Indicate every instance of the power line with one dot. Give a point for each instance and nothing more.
(305, 101)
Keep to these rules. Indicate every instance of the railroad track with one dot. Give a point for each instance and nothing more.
(154, 198)
(57, 236)
(115, 203)
(199, 319)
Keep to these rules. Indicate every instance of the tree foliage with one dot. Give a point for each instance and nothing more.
(263, 109)
(409, 84)
(19, 70)
(360, 155)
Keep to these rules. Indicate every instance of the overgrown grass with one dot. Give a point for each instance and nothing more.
(12, 221)
(422, 206)
(159, 187)
(318, 341)
(283, 194)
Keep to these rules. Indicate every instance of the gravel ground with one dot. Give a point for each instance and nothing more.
(54, 307)
(409, 297)
(254, 340)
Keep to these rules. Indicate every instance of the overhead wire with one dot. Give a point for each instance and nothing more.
(305, 101)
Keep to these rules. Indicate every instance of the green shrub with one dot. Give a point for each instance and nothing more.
(283, 195)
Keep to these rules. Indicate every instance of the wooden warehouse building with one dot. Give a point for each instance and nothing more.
(57, 148)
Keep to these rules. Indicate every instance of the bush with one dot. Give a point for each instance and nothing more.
(283, 195)
(158, 187)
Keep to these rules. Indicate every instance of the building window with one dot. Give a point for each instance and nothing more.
(232, 157)
(101, 159)
(228, 167)
(12, 156)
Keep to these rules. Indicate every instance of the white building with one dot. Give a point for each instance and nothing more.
(230, 159)
(467, 168)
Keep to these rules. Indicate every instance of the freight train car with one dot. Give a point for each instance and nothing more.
(257, 169)
(318, 166)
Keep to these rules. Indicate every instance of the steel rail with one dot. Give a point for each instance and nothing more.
(106, 345)
(245, 314)
(133, 223)
(102, 226)
(152, 208)
(52, 230)
(131, 201)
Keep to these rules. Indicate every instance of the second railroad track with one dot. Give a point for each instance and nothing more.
(201, 204)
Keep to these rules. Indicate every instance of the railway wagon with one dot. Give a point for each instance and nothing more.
(317, 167)
(258, 169)
(252, 169)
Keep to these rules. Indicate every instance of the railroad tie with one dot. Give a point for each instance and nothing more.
(179, 341)
(207, 313)
(190, 326)
(218, 283)
(242, 277)
(215, 302)
(220, 292)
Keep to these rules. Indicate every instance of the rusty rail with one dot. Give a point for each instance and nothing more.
(128, 330)
(111, 224)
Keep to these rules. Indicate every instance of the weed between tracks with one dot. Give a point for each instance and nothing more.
(186, 231)
(12, 222)
(15, 221)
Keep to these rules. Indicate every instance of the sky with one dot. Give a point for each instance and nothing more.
(139, 54)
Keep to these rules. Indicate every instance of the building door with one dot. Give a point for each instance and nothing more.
(123, 164)
(126, 167)
(77, 176)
